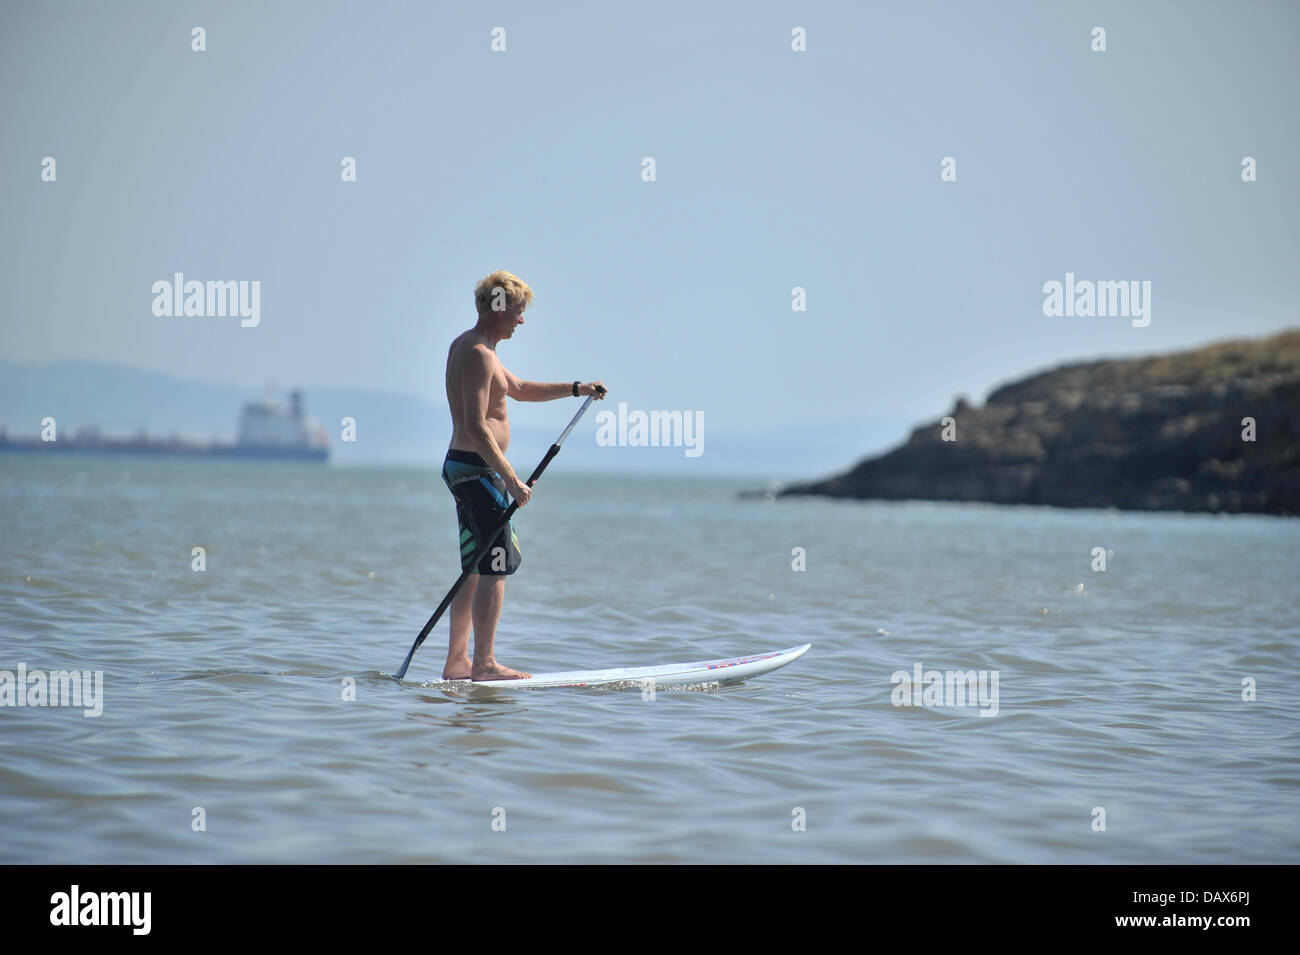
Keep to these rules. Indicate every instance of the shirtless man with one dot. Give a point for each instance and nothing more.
(478, 474)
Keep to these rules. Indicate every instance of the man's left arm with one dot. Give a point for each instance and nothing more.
(522, 390)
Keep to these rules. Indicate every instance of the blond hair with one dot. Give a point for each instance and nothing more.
(514, 289)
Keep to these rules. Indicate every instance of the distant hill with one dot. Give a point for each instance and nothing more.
(393, 428)
(1160, 433)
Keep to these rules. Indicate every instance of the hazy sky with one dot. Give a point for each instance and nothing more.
(775, 169)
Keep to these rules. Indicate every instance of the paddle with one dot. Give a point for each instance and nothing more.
(510, 511)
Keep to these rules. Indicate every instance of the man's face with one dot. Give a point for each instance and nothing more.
(512, 318)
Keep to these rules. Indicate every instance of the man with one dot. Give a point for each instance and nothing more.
(478, 474)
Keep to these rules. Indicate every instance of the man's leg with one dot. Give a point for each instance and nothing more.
(489, 597)
(458, 666)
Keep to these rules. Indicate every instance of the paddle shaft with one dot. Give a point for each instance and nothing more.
(505, 521)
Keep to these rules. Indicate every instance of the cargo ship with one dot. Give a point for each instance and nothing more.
(267, 430)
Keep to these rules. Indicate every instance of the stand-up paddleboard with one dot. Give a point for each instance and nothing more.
(730, 670)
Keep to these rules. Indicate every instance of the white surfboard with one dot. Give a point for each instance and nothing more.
(730, 670)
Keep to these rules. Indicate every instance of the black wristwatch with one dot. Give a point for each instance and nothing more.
(575, 389)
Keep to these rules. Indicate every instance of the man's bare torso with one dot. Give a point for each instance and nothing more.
(463, 437)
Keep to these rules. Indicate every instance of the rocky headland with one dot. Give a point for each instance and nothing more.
(1171, 432)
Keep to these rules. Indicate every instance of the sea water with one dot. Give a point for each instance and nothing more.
(245, 619)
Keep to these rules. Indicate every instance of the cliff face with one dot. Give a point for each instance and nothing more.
(1160, 433)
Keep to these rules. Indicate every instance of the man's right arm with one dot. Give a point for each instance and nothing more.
(476, 392)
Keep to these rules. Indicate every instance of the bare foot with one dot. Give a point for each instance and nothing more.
(495, 671)
(457, 668)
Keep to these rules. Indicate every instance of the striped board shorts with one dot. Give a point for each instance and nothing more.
(481, 503)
